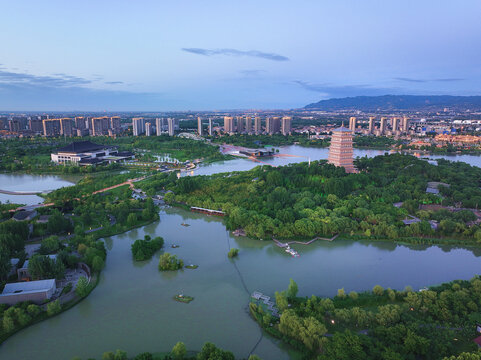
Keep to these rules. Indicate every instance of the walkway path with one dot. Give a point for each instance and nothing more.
(283, 245)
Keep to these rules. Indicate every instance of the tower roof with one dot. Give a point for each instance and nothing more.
(341, 129)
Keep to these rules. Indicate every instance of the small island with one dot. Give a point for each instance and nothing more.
(192, 266)
(183, 298)
(233, 253)
(169, 262)
(145, 249)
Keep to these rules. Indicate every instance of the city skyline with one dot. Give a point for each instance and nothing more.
(269, 55)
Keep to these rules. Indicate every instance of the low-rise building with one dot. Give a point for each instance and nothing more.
(88, 153)
(35, 291)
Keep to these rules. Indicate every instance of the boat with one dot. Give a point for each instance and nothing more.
(184, 224)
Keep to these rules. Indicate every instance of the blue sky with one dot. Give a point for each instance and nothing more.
(208, 55)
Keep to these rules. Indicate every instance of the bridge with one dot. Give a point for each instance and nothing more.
(8, 192)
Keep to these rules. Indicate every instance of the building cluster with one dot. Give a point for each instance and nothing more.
(149, 127)
(457, 139)
(78, 126)
(245, 125)
(394, 126)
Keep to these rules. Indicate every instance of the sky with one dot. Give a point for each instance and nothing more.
(168, 55)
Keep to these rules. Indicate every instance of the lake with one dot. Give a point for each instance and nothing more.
(295, 153)
(28, 182)
(132, 307)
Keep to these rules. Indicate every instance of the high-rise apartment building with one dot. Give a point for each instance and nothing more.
(371, 124)
(51, 127)
(138, 126)
(148, 129)
(35, 125)
(66, 127)
(97, 126)
(340, 150)
(395, 125)
(115, 124)
(211, 127)
(171, 126)
(257, 125)
(200, 129)
(248, 124)
(13, 125)
(161, 126)
(229, 124)
(352, 124)
(240, 125)
(405, 124)
(382, 126)
(80, 123)
(273, 125)
(286, 125)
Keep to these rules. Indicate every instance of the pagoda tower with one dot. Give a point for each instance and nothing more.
(340, 150)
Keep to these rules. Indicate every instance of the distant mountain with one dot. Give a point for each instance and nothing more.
(399, 102)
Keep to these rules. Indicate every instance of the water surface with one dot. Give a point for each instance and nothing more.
(132, 307)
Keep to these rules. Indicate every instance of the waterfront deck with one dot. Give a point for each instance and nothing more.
(207, 211)
(286, 244)
(256, 295)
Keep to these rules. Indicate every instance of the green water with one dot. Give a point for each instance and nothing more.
(132, 307)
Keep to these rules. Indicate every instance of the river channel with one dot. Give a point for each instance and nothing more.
(132, 307)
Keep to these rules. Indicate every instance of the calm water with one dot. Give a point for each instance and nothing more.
(27, 182)
(132, 307)
(294, 154)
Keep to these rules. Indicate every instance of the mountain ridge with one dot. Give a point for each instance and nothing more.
(398, 102)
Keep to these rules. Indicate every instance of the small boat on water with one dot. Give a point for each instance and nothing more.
(184, 224)
(175, 246)
(293, 252)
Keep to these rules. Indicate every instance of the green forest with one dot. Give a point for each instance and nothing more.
(302, 201)
(383, 324)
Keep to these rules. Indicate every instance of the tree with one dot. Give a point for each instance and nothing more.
(82, 288)
(169, 262)
(33, 310)
(97, 264)
(50, 245)
(254, 357)
(341, 293)
(44, 267)
(144, 249)
(144, 356)
(5, 265)
(120, 355)
(281, 301)
(378, 290)
(292, 290)
(353, 295)
(132, 219)
(211, 352)
(54, 307)
(179, 350)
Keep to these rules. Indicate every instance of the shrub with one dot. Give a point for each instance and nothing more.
(233, 252)
(33, 310)
(170, 262)
(54, 307)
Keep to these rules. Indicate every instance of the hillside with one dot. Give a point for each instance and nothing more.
(399, 102)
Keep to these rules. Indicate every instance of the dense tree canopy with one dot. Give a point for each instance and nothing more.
(305, 201)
